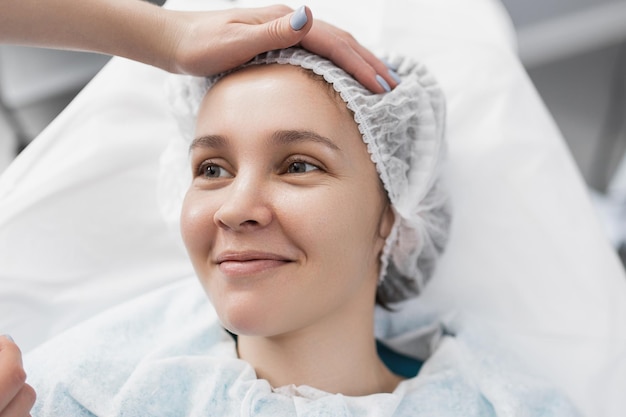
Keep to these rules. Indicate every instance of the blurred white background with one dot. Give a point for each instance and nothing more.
(573, 50)
(575, 53)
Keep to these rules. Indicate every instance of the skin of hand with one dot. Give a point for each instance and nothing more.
(16, 396)
(244, 33)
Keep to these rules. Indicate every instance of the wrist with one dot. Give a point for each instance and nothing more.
(173, 26)
(142, 34)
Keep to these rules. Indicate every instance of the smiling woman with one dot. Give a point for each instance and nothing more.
(401, 132)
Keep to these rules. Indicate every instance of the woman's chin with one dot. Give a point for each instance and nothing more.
(247, 322)
(251, 312)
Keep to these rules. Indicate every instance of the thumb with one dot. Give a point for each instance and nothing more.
(284, 31)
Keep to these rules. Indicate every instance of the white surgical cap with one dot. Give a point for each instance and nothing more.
(404, 133)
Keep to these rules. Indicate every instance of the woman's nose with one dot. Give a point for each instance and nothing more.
(245, 206)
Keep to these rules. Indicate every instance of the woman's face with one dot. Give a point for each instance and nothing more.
(285, 219)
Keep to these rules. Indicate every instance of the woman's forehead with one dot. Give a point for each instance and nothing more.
(286, 75)
(276, 94)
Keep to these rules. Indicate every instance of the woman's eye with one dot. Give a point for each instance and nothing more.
(300, 167)
(214, 171)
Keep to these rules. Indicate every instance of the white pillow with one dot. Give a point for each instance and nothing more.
(80, 228)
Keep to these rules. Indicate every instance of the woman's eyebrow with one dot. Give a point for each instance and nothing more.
(208, 141)
(280, 137)
(286, 137)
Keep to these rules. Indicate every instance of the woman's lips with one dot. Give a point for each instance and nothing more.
(244, 268)
(235, 264)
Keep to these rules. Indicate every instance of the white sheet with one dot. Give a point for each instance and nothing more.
(80, 229)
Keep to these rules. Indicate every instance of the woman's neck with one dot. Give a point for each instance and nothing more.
(336, 356)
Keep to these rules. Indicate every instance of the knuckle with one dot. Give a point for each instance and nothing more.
(281, 9)
(30, 396)
(12, 368)
(350, 37)
(340, 47)
(285, 8)
(275, 32)
(17, 375)
(14, 377)
(344, 35)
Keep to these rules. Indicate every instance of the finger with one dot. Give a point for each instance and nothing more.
(278, 33)
(21, 404)
(379, 66)
(12, 375)
(258, 15)
(346, 57)
(341, 48)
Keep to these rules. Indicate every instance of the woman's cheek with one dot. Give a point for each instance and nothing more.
(309, 212)
(195, 224)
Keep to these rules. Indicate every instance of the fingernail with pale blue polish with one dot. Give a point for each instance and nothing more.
(299, 19)
(395, 76)
(9, 338)
(383, 83)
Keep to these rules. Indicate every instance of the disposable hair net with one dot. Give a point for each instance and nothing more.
(404, 133)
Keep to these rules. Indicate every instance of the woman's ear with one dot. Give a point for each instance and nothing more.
(387, 219)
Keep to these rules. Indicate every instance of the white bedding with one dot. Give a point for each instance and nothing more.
(174, 358)
(80, 228)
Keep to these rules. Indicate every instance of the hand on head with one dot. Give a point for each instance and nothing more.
(16, 396)
(245, 33)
